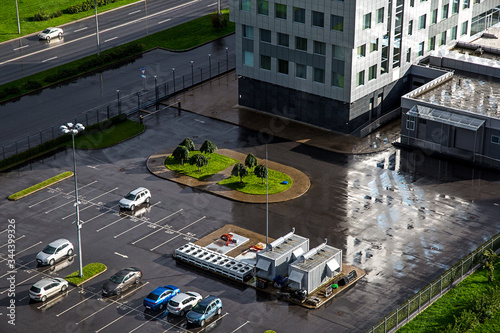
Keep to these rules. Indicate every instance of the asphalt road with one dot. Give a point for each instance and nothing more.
(403, 222)
(29, 55)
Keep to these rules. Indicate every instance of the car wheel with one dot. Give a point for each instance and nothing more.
(182, 313)
(118, 292)
(47, 39)
(137, 280)
(219, 311)
(44, 298)
(202, 323)
(132, 207)
(70, 252)
(52, 262)
(148, 200)
(161, 306)
(63, 288)
(60, 35)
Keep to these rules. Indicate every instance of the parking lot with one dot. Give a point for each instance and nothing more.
(362, 204)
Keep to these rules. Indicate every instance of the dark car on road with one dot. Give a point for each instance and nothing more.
(121, 281)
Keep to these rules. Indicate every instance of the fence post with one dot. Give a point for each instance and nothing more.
(173, 76)
(209, 65)
(408, 313)
(397, 318)
(183, 87)
(441, 285)
(156, 93)
(179, 107)
(138, 101)
(227, 60)
(385, 324)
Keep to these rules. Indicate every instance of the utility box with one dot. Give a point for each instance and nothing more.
(274, 260)
(315, 267)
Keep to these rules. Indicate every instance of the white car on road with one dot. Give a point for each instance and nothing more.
(135, 198)
(55, 251)
(45, 288)
(49, 33)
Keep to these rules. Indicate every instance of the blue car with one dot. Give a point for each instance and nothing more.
(159, 297)
(203, 311)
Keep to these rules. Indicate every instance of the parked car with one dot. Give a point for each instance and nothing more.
(158, 298)
(49, 33)
(55, 251)
(183, 302)
(121, 281)
(135, 198)
(204, 310)
(45, 288)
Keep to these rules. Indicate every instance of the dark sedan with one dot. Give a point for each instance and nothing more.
(121, 281)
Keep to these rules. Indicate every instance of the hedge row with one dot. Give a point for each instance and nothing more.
(52, 144)
(87, 5)
(42, 15)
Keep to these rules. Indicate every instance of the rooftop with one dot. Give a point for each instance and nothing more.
(323, 255)
(288, 245)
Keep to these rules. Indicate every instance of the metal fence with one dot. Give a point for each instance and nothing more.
(127, 104)
(435, 289)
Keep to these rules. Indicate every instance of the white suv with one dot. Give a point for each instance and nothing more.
(135, 198)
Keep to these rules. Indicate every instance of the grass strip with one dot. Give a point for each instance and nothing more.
(253, 185)
(39, 186)
(216, 163)
(89, 271)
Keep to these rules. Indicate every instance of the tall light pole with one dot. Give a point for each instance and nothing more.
(74, 129)
(18, 24)
(97, 27)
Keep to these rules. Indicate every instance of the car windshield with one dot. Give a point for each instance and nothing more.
(49, 249)
(46, 31)
(130, 196)
(173, 303)
(199, 308)
(35, 289)
(116, 278)
(153, 297)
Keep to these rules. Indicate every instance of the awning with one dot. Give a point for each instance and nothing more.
(445, 117)
(263, 265)
(296, 276)
(297, 253)
(332, 266)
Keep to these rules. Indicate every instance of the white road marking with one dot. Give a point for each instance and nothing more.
(178, 231)
(137, 11)
(121, 255)
(114, 321)
(20, 283)
(69, 202)
(53, 300)
(110, 224)
(212, 4)
(109, 40)
(201, 121)
(18, 238)
(81, 187)
(22, 47)
(154, 248)
(81, 29)
(240, 327)
(49, 59)
(163, 21)
(39, 202)
(4, 231)
(86, 299)
(116, 236)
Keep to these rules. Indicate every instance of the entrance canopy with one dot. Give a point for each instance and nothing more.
(446, 117)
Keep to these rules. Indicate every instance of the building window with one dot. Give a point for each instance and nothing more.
(408, 55)
(421, 22)
(367, 21)
(319, 48)
(337, 23)
(442, 40)
(454, 33)
(410, 125)
(464, 28)
(248, 31)
(263, 7)
(280, 11)
(495, 139)
(410, 28)
(265, 62)
(372, 73)
(318, 19)
(374, 45)
(466, 4)
(455, 6)
(283, 66)
(248, 58)
(301, 43)
(283, 39)
(360, 78)
(434, 16)
(300, 71)
(299, 15)
(362, 51)
(245, 5)
(319, 75)
(432, 43)
(444, 14)
(420, 49)
(338, 52)
(337, 80)
(380, 15)
(265, 35)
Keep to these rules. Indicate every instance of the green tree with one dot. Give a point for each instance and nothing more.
(261, 171)
(181, 153)
(208, 147)
(199, 160)
(240, 170)
(188, 143)
(489, 263)
(251, 161)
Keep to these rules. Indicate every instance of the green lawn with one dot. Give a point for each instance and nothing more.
(41, 185)
(253, 184)
(27, 9)
(102, 138)
(216, 163)
(442, 312)
(89, 271)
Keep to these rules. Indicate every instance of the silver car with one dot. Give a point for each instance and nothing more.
(45, 288)
(135, 198)
(181, 303)
(49, 33)
(55, 251)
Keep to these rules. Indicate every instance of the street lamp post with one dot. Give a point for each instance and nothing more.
(209, 65)
(74, 129)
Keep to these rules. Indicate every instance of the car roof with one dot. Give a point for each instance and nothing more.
(137, 190)
(169, 286)
(44, 282)
(59, 242)
(207, 300)
(180, 297)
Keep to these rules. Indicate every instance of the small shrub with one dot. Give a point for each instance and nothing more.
(41, 15)
(32, 85)
(11, 91)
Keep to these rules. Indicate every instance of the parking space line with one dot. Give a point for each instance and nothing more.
(177, 231)
(53, 300)
(154, 248)
(23, 250)
(240, 326)
(86, 299)
(121, 218)
(155, 223)
(114, 321)
(39, 202)
(112, 302)
(18, 238)
(81, 187)
(198, 220)
(69, 202)
(20, 283)
(96, 217)
(216, 320)
(90, 202)
(4, 231)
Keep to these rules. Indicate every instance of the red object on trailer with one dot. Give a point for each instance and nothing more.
(228, 238)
